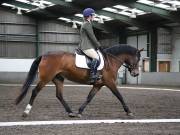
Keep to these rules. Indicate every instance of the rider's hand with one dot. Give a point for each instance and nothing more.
(100, 48)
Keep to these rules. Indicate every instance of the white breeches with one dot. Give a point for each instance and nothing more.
(91, 53)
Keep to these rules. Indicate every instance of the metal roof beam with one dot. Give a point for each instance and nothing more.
(122, 18)
(50, 14)
(21, 5)
(125, 19)
(31, 7)
(65, 4)
(148, 8)
(96, 25)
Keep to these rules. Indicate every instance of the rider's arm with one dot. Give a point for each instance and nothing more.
(88, 29)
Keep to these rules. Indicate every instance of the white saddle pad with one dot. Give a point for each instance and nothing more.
(80, 61)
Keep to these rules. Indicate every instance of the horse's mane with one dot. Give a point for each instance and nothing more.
(121, 49)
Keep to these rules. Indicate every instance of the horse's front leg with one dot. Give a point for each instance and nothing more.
(114, 90)
(91, 94)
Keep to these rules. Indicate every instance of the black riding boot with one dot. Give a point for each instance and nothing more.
(93, 71)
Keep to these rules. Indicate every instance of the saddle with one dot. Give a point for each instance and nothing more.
(84, 61)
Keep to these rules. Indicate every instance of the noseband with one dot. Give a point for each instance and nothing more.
(130, 67)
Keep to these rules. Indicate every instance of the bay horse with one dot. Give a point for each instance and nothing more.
(55, 66)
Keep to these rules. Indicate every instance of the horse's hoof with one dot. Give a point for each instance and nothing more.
(79, 115)
(72, 115)
(24, 115)
(131, 115)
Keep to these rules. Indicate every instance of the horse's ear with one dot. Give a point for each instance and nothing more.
(141, 50)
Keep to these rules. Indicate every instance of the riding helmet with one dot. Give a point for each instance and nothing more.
(88, 12)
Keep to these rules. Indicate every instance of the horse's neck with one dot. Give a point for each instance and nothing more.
(116, 61)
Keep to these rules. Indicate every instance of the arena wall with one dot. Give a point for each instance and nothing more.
(23, 38)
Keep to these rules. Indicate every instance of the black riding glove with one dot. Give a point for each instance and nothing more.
(100, 48)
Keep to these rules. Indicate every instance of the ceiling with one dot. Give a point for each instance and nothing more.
(131, 15)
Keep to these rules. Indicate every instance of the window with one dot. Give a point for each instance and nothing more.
(164, 66)
(164, 41)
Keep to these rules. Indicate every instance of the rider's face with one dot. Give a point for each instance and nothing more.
(91, 18)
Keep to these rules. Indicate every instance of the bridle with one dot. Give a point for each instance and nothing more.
(130, 67)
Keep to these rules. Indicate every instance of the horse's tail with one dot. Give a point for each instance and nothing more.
(29, 80)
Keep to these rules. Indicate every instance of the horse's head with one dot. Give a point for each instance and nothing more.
(128, 55)
(132, 63)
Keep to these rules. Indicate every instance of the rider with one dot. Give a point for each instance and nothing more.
(89, 43)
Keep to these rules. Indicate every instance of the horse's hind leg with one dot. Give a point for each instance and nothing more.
(115, 91)
(35, 91)
(58, 81)
(91, 94)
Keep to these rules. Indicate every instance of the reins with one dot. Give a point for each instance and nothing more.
(126, 66)
(116, 59)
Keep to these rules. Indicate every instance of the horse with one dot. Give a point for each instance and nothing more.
(60, 65)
